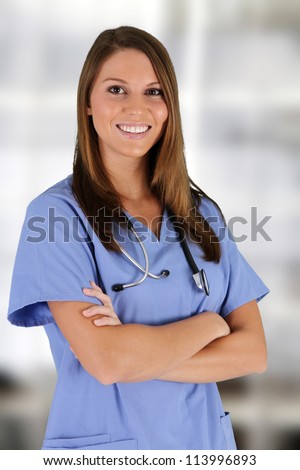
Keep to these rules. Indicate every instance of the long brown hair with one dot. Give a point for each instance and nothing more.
(169, 178)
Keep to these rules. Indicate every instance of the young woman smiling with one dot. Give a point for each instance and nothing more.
(138, 364)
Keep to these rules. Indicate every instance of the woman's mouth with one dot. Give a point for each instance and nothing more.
(134, 130)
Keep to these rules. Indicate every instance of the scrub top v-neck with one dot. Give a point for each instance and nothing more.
(54, 262)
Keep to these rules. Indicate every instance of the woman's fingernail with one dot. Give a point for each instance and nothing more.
(97, 322)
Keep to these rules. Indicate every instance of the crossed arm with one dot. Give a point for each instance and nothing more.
(203, 348)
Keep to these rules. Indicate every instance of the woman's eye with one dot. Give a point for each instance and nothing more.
(116, 90)
(154, 92)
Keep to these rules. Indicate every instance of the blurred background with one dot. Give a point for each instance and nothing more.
(238, 68)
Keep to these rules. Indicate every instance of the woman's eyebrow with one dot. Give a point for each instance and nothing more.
(114, 79)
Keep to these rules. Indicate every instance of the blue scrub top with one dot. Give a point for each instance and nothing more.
(53, 262)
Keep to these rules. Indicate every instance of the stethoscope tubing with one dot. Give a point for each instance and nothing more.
(117, 287)
(199, 276)
(164, 273)
(145, 270)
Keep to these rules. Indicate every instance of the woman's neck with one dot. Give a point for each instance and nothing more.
(130, 179)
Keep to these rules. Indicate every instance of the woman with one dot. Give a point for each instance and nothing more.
(139, 349)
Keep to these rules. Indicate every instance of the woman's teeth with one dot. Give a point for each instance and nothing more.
(133, 129)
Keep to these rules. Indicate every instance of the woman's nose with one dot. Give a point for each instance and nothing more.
(135, 104)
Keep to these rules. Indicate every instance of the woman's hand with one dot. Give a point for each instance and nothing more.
(108, 315)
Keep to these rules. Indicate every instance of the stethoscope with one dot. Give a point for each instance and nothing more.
(199, 276)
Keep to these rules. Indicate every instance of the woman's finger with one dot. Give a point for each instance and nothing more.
(109, 316)
(98, 310)
(94, 285)
(107, 321)
(97, 292)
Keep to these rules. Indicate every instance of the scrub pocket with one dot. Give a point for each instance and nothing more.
(227, 431)
(100, 441)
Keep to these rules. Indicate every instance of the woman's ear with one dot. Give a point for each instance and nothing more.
(89, 111)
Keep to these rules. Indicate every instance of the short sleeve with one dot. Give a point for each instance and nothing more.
(53, 261)
(242, 282)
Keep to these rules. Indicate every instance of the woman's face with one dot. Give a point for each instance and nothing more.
(127, 106)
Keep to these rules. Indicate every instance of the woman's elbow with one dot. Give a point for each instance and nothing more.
(114, 372)
(105, 374)
(106, 379)
(263, 365)
(112, 369)
(261, 359)
(103, 371)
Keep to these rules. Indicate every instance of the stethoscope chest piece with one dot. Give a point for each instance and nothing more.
(201, 281)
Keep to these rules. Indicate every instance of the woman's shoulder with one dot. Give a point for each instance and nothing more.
(213, 214)
(210, 210)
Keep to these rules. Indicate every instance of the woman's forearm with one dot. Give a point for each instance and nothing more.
(241, 353)
(140, 352)
(131, 352)
(223, 359)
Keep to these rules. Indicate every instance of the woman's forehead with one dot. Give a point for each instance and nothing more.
(128, 64)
